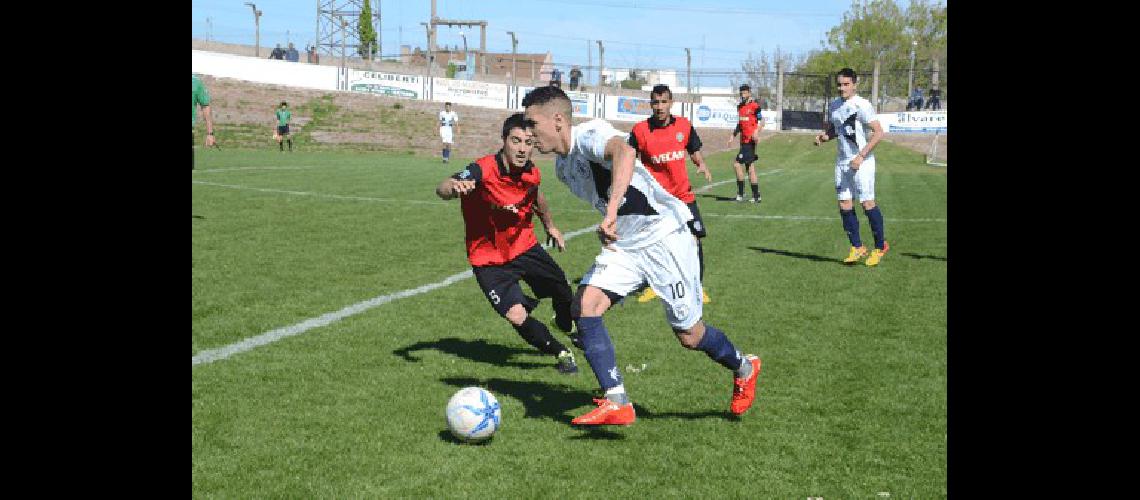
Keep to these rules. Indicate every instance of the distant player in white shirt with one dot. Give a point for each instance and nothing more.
(645, 239)
(447, 120)
(855, 164)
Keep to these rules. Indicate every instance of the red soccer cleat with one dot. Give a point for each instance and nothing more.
(744, 390)
(607, 413)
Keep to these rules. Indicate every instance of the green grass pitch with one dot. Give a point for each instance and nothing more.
(851, 401)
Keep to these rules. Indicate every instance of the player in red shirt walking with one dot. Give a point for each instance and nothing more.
(749, 128)
(661, 141)
(499, 196)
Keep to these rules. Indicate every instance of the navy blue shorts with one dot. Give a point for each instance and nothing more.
(282, 130)
(747, 154)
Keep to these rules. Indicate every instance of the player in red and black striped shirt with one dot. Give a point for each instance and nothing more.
(748, 128)
(499, 196)
(661, 142)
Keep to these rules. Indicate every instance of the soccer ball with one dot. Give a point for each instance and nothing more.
(473, 414)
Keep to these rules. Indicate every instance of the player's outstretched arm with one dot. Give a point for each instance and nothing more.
(826, 135)
(451, 188)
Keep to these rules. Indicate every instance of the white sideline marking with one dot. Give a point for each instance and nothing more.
(211, 355)
(318, 195)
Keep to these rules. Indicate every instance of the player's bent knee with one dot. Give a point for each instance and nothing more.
(869, 205)
(516, 315)
(691, 337)
(590, 302)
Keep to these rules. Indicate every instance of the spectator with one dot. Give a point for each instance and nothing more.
(556, 77)
(575, 77)
(314, 58)
(915, 102)
(278, 53)
(934, 103)
(292, 55)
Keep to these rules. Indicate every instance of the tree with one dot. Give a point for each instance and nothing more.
(880, 29)
(367, 47)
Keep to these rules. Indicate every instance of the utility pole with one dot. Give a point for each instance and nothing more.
(428, 29)
(514, 62)
(689, 74)
(589, 62)
(910, 76)
(601, 62)
(256, 29)
(343, 60)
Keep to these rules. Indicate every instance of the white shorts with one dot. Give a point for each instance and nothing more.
(859, 182)
(445, 134)
(671, 266)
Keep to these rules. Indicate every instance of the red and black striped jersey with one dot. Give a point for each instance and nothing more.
(749, 115)
(661, 148)
(497, 214)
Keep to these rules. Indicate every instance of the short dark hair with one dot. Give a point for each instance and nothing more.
(849, 73)
(661, 89)
(517, 120)
(283, 103)
(745, 87)
(447, 104)
(543, 95)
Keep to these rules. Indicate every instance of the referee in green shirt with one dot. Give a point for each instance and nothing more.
(201, 97)
(283, 116)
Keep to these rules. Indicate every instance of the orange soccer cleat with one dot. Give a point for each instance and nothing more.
(744, 390)
(607, 413)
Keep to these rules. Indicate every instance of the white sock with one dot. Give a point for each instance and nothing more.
(617, 394)
(745, 369)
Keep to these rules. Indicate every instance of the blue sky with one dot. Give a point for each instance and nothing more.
(635, 33)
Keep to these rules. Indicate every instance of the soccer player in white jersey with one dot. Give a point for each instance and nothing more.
(645, 239)
(847, 116)
(447, 120)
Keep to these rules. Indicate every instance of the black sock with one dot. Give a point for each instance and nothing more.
(290, 144)
(281, 146)
(739, 188)
(755, 190)
(536, 334)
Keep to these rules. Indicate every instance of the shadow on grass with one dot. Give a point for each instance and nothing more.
(561, 403)
(815, 258)
(918, 256)
(447, 436)
(718, 197)
(198, 216)
(475, 350)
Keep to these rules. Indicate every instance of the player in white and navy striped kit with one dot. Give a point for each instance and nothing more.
(448, 119)
(645, 239)
(847, 116)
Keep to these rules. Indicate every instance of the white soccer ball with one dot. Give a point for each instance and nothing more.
(473, 414)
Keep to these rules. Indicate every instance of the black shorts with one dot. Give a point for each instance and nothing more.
(500, 284)
(696, 225)
(282, 130)
(747, 154)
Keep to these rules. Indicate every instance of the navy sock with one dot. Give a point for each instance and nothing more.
(740, 188)
(716, 344)
(851, 225)
(599, 351)
(536, 334)
(875, 217)
(755, 190)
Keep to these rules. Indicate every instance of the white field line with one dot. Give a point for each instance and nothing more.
(211, 355)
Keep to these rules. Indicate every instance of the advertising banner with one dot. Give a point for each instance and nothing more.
(469, 92)
(390, 84)
(914, 122)
(633, 109)
(582, 102)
